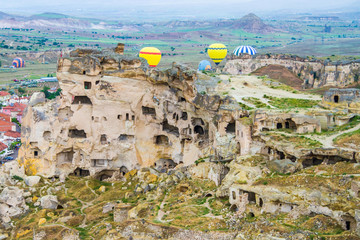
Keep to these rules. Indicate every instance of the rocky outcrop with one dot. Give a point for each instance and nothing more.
(12, 203)
(49, 202)
(315, 73)
(32, 180)
(115, 113)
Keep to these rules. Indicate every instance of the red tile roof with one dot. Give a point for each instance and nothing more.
(3, 146)
(17, 107)
(5, 117)
(12, 134)
(3, 93)
(6, 123)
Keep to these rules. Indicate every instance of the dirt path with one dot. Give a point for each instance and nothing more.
(327, 141)
(210, 215)
(86, 205)
(251, 86)
(161, 213)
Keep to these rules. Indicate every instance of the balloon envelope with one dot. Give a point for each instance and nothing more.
(217, 52)
(204, 65)
(244, 49)
(18, 62)
(151, 54)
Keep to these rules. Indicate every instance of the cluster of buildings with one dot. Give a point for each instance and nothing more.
(13, 107)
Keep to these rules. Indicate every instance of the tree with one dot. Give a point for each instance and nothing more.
(172, 48)
(21, 90)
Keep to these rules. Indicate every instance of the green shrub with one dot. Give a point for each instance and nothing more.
(16, 177)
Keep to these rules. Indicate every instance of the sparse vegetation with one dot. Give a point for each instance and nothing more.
(287, 103)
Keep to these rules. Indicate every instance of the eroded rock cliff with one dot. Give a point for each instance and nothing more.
(116, 113)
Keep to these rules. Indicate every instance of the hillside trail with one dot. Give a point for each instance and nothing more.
(244, 86)
(327, 141)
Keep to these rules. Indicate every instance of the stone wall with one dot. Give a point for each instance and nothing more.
(315, 73)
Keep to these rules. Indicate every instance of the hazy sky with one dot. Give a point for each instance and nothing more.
(157, 9)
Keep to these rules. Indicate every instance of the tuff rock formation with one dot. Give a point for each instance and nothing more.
(115, 114)
(315, 73)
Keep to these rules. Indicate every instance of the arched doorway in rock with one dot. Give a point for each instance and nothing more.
(279, 126)
(238, 148)
(123, 171)
(198, 129)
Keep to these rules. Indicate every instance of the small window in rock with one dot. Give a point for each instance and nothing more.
(84, 72)
(133, 117)
(87, 85)
(127, 117)
(348, 225)
(104, 118)
(184, 116)
(119, 117)
(97, 82)
(75, 133)
(81, 100)
(123, 170)
(148, 111)
(230, 127)
(92, 118)
(336, 98)
(103, 139)
(261, 203)
(161, 140)
(199, 130)
(36, 153)
(233, 195)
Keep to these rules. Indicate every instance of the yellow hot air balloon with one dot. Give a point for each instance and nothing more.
(217, 52)
(151, 54)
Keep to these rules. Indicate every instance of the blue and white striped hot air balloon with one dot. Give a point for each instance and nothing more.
(244, 49)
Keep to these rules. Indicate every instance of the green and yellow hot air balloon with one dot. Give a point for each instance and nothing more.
(151, 54)
(217, 52)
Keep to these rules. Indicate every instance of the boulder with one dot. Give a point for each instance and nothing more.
(49, 202)
(32, 180)
(36, 98)
(12, 196)
(108, 207)
(282, 166)
(139, 211)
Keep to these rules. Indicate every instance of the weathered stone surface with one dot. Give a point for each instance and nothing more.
(32, 180)
(49, 202)
(121, 212)
(36, 98)
(282, 166)
(317, 73)
(151, 117)
(12, 196)
(108, 207)
(139, 211)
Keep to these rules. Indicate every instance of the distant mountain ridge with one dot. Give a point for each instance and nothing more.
(249, 23)
(52, 20)
(48, 20)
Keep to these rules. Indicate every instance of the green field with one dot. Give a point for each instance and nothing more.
(31, 71)
(183, 44)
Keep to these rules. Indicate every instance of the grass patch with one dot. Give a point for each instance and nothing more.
(244, 106)
(257, 102)
(286, 103)
(351, 139)
(296, 141)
